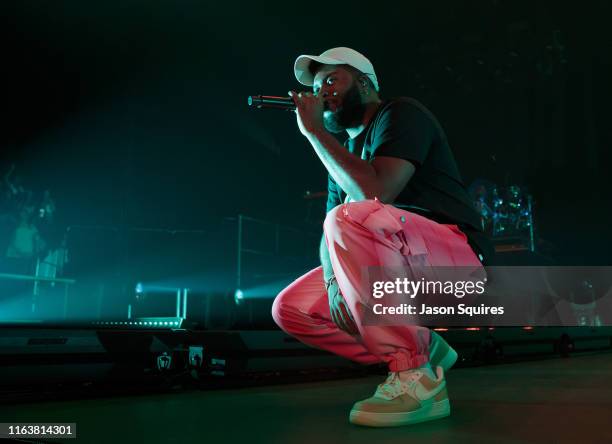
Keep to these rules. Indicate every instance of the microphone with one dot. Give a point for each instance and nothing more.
(285, 103)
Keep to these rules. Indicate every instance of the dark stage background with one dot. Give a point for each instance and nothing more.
(134, 113)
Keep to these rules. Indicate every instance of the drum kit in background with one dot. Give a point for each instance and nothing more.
(505, 212)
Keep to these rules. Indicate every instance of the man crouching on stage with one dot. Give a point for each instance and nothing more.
(396, 153)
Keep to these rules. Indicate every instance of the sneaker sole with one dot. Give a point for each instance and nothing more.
(429, 412)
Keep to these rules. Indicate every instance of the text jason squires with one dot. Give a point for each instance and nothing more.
(412, 288)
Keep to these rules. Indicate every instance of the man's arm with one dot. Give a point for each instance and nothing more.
(392, 174)
(359, 178)
(325, 260)
(338, 310)
(384, 178)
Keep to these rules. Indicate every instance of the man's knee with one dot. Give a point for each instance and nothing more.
(355, 211)
(277, 310)
(281, 308)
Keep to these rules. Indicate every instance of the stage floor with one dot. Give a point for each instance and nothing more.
(552, 401)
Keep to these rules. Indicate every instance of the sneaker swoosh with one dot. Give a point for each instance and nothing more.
(422, 393)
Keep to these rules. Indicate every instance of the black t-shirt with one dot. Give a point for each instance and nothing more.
(404, 128)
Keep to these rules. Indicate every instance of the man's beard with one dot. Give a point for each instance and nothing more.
(350, 115)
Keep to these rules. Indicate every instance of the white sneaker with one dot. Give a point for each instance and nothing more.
(405, 398)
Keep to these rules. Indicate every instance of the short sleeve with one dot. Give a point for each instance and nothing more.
(333, 194)
(405, 131)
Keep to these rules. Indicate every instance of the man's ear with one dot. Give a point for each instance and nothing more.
(363, 84)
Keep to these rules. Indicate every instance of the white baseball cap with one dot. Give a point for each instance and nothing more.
(334, 56)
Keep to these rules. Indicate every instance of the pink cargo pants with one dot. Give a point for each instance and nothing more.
(358, 235)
